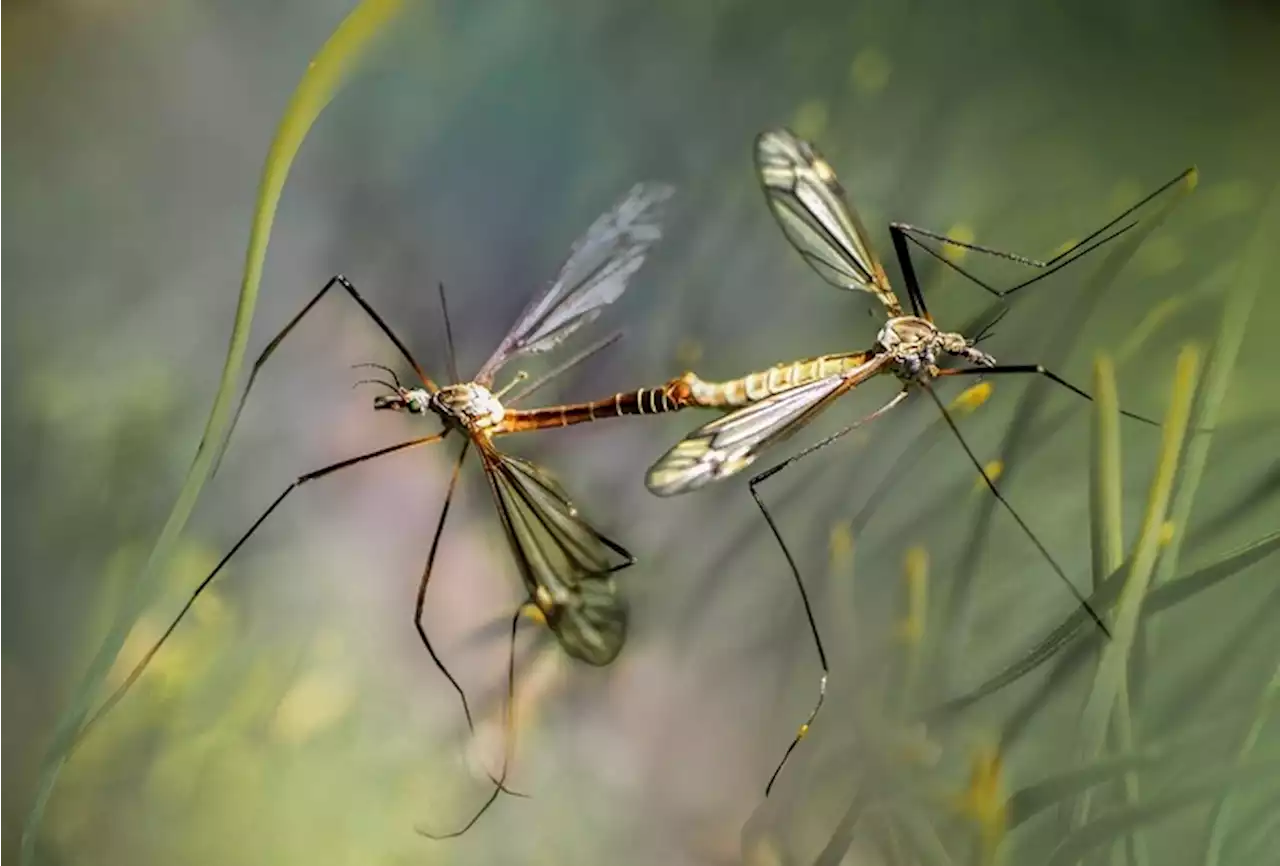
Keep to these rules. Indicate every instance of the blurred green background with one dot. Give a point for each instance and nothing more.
(295, 719)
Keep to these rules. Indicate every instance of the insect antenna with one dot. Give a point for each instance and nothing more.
(508, 737)
(448, 337)
(991, 485)
(390, 372)
(141, 666)
(383, 382)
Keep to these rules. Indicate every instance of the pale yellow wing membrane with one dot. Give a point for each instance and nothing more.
(729, 444)
(806, 198)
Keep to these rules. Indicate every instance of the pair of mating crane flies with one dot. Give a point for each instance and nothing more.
(566, 564)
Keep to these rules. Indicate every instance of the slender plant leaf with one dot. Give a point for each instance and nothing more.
(1235, 320)
(1112, 669)
(1107, 531)
(842, 838)
(1029, 801)
(1106, 528)
(1220, 815)
(1115, 825)
(957, 608)
(1244, 281)
(1103, 600)
(325, 74)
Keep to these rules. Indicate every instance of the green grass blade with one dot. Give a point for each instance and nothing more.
(956, 609)
(1107, 536)
(1029, 801)
(1116, 825)
(1244, 283)
(1235, 320)
(1177, 591)
(1112, 668)
(842, 838)
(1102, 600)
(1220, 816)
(326, 72)
(1106, 529)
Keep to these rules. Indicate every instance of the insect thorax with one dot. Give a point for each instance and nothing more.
(468, 405)
(916, 344)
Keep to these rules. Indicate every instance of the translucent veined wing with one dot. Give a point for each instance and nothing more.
(595, 275)
(731, 443)
(809, 203)
(567, 566)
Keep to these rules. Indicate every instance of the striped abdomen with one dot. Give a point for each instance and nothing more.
(757, 386)
(671, 397)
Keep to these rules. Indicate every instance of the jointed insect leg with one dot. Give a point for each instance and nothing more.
(752, 485)
(345, 284)
(204, 584)
(813, 628)
(823, 443)
(420, 603)
(902, 232)
(991, 485)
(1040, 371)
(508, 739)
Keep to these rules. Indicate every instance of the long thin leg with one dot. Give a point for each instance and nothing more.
(336, 280)
(420, 603)
(823, 443)
(991, 484)
(795, 573)
(1040, 371)
(813, 628)
(914, 293)
(508, 739)
(302, 479)
(903, 231)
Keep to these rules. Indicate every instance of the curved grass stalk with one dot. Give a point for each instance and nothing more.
(1109, 680)
(335, 61)
(1235, 320)
(1107, 530)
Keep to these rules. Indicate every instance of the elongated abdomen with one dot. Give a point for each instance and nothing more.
(757, 386)
(671, 397)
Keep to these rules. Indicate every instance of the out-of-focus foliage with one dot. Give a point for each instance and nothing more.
(324, 74)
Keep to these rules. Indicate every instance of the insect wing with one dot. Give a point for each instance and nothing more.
(562, 558)
(595, 275)
(729, 444)
(809, 204)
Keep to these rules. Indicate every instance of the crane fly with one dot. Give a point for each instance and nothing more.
(810, 206)
(566, 564)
